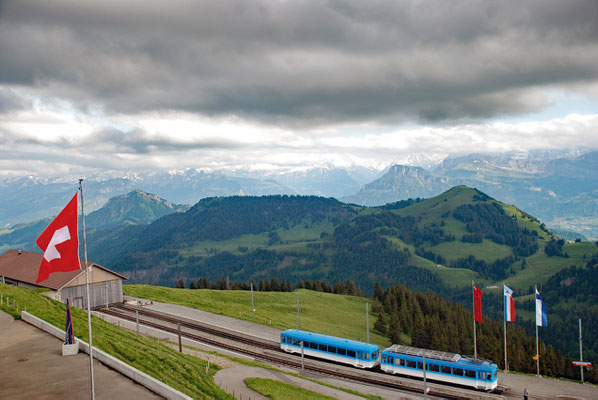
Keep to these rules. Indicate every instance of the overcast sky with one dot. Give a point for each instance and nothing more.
(115, 86)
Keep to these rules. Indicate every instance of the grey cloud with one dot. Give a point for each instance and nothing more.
(301, 62)
(11, 101)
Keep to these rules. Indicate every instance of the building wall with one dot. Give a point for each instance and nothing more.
(95, 275)
(99, 293)
(13, 282)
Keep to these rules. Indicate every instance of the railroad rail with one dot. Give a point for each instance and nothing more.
(159, 320)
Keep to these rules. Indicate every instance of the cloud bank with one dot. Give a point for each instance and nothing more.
(147, 84)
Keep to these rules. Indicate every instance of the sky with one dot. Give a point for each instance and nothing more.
(110, 87)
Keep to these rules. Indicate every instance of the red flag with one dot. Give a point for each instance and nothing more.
(477, 304)
(60, 243)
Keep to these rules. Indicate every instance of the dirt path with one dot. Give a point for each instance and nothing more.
(231, 380)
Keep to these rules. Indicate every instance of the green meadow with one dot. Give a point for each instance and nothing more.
(325, 313)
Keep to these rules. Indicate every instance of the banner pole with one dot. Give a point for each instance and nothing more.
(475, 346)
(504, 300)
(92, 393)
(537, 341)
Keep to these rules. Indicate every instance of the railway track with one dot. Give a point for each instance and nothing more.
(257, 350)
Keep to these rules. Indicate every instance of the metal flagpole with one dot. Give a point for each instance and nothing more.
(367, 321)
(92, 394)
(475, 347)
(298, 314)
(537, 342)
(580, 351)
(252, 307)
(504, 300)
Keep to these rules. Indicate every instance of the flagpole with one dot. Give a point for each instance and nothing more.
(92, 393)
(505, 323)
(475, 346)
(537, 342)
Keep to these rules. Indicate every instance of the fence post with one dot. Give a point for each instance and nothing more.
(180, 341)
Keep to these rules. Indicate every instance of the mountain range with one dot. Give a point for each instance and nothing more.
(560, 189)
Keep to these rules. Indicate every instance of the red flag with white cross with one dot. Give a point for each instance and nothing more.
(60, 243)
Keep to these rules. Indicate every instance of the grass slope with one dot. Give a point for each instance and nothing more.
(277, 390)
(325, 313)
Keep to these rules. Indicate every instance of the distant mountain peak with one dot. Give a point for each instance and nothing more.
(135, 207)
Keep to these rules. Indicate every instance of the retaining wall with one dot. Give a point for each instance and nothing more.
(133, 373)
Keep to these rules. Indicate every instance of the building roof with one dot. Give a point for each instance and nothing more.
(23, 266)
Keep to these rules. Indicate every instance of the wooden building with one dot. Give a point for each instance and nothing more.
(20, 268)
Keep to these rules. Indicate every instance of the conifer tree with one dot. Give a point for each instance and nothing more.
(380, 324)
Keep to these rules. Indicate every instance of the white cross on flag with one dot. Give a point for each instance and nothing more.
(60, 243)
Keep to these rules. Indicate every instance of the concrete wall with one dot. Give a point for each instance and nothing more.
(99, 294)
(133, 373)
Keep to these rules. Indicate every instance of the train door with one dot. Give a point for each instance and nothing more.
(359, 359)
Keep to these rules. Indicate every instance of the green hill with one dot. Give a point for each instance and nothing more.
(437, 243)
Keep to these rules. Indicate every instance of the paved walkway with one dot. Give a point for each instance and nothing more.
(231, 380)
(545, 388)
(32, 367)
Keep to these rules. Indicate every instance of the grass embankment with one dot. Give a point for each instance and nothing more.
(324, 313)
(182, 372)
(277, 390)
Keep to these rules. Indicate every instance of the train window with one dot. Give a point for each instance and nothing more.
(282, 339)
(367, 356)
(313, 345)
(433, 367)
(351, 353)
(445, 370)
(322, 347)
(296, 342)
(469, 373)
(457, 371)
(332, 349)
(410, 363)
(342, 352)
(420, 365)
(400, 362)
(384, 359)
(489, 377)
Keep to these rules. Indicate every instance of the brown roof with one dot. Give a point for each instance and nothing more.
(23, 266)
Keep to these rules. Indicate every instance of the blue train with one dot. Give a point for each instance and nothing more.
(396, 359)
(440, 366)
(358, 354)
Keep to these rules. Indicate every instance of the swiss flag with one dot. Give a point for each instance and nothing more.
(60, 243)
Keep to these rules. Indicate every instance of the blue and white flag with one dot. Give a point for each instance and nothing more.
(509, 304)
(540, 311)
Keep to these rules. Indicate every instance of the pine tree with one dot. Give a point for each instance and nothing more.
(394, 328)
(380, 324)
(378, 293)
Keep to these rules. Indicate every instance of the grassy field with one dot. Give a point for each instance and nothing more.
(324, 313)
(182, 372)
(277, 390)
(539, 268)
(487, 250)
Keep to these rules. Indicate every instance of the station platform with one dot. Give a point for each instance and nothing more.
(32, 367)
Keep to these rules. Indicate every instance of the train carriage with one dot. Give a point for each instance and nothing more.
(358, 354)
(440, 366)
